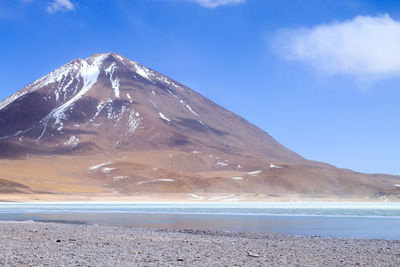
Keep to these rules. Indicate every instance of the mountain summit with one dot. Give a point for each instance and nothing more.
(108, 102)
(151, 134)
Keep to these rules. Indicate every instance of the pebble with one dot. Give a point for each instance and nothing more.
(23, 244)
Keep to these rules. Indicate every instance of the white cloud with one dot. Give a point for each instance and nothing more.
(364, 47)
(60, 5)
(216, 3)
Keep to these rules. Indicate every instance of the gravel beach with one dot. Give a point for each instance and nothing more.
(56, 244)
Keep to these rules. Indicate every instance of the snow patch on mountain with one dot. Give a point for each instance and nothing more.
(107, 170)
(110, 71)
(88, 73)
(183, 103)
(162, 116)
(59, 74)
(133, 122)
(167, 81)
(155, 180)
(99, 108)
(120, 58)
(114, 114)
(195, 196)
(273, 166)
(99, 166)
(191, 110)
(72, 141)
(221, 197)
(142, 71)
(129, 97)
(254, 173)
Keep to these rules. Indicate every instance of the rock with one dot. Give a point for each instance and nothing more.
(254, 255)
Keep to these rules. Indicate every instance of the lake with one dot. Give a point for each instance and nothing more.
(334, 219)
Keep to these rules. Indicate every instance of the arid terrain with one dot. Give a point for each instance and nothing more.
(160, 175)
(108, 128)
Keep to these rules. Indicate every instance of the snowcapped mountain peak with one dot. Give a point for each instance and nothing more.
(110, 98)
(109, 58)
(86, 71)
(99, 90)
(84, 68)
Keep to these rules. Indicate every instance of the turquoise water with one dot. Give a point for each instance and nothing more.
(292, 209)
(358, 220)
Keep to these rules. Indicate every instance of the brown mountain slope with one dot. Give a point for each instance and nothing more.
(148, 134)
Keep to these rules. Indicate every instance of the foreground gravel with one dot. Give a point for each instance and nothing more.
(51, 244)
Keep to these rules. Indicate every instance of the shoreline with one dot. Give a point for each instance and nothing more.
(37, 243)
(181, 198)
(245, 204)
(194, 203)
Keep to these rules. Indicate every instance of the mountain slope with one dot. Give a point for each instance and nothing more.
(110, 107)
(115, 99)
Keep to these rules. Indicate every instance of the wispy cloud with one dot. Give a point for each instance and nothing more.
(216, 3)
(365, 46)
(60, 5)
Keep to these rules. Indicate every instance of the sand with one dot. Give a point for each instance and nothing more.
(51, 244)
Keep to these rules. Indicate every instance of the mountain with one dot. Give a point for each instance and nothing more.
(109, 125)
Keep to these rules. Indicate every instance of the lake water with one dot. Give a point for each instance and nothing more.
(357, 220)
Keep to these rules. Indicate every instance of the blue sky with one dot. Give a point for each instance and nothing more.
(319, 76)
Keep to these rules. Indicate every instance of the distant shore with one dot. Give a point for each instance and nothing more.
(33, 243)
(182, 197)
